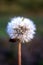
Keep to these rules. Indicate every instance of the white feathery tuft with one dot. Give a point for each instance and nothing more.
(21, 28)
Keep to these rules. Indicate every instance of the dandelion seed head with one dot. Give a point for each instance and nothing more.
(21, 28)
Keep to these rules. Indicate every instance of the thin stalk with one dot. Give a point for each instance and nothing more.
(19, 53)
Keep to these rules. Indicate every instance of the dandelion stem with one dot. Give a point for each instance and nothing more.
(19, 53)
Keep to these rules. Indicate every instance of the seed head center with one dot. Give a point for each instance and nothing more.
(22, 30)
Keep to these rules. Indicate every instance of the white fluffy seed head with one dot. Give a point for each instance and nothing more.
(21, 28)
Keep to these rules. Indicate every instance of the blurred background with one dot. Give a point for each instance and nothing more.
(32, 53)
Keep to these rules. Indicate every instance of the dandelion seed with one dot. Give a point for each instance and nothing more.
(21, 28)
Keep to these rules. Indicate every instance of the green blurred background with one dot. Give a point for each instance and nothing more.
(32, 9)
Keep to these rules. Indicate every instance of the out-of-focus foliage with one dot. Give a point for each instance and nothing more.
(31, 4)
(19, 5)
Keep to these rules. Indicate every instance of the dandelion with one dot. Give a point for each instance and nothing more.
(22, 29)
